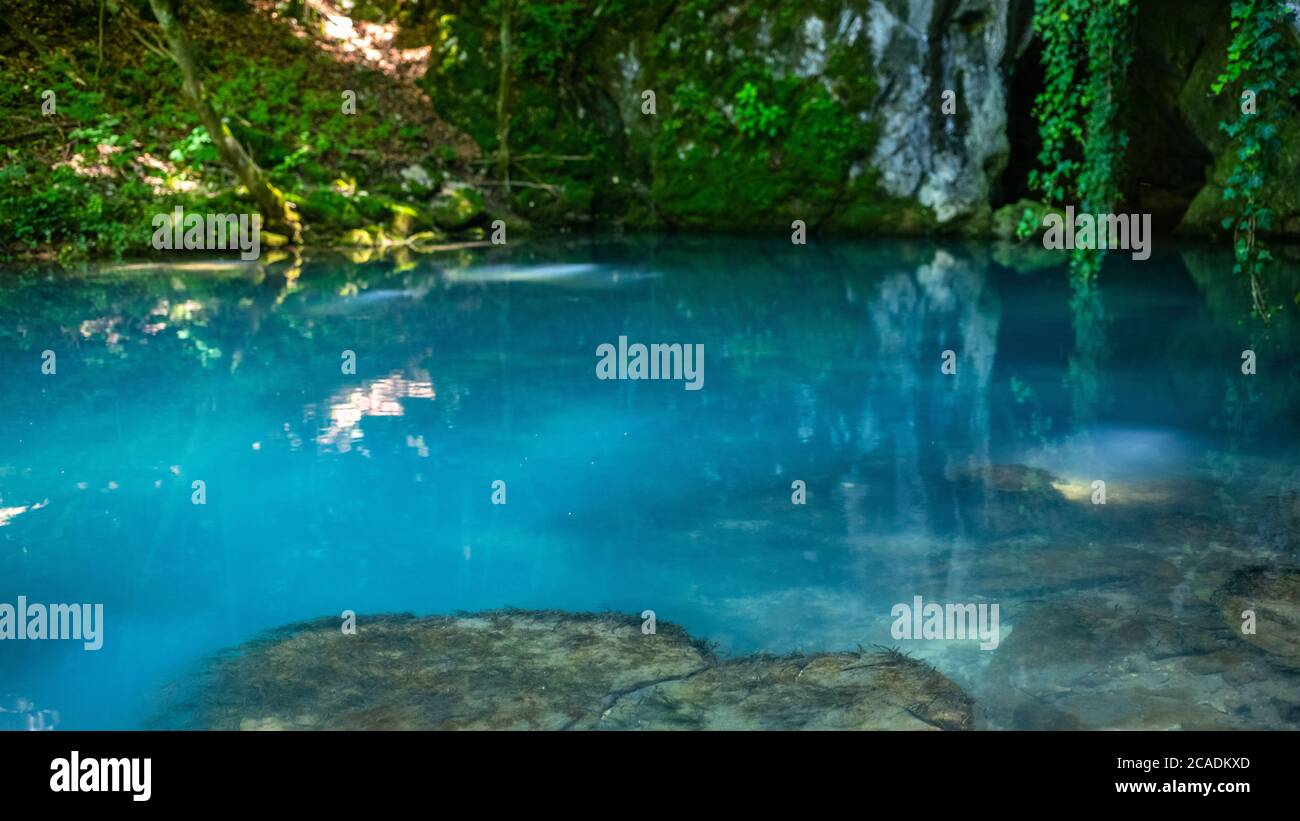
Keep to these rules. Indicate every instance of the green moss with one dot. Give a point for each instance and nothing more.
(456, 208)
(1009, 219)
(327, 209)
(866, 209)
(734, 143)
(281, 98)
(742, 148)
(356, 237)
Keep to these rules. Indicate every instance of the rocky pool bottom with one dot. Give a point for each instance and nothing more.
(1144, 635)
(551, 670)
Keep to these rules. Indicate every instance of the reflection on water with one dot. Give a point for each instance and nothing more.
(1089, 319)
(824, 367)
(375, 397)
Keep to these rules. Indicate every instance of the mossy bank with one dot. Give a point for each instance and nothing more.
(858, 117)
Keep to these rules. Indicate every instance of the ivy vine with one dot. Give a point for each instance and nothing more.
(1255, 60)
(1087, 49)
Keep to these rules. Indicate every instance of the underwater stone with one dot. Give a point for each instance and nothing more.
(1273, 594)
(1106, 661)
(511, 669)
(1015, 499)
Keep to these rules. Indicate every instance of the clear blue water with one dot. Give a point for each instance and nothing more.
(372, 492)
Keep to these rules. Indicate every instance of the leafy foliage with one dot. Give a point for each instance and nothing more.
(123, 143)
(753, 116)
(1256, 60)
(1087, 50)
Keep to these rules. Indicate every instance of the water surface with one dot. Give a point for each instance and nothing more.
(372, 492)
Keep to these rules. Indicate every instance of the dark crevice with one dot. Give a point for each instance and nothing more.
(608, 702)
(1022, 129)
(1165, 163)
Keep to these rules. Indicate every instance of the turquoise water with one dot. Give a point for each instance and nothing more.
(372, 491)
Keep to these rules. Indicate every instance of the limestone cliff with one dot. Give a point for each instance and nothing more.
(749, 114)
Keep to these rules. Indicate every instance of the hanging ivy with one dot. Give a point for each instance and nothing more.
(1256, 61)
(1087, 49)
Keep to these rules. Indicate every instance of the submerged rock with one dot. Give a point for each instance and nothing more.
(510, 669)
(1014, 499)
(1273, 595)
(1118, 662)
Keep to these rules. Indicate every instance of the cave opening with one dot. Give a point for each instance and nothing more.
(1022, 129)
(1165, 163)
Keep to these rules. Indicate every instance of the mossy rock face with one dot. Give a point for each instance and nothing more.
(549, 670)
(456, 207)
(740, 115)
(772, 127)
(1273, 595)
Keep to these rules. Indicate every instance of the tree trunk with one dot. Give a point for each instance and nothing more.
(503, 98)
(279, 215)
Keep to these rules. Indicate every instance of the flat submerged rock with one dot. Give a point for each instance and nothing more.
(1272, 593)
(549, 670)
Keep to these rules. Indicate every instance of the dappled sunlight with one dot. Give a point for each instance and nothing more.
(98, 166)
(105, 327)
(361, 40)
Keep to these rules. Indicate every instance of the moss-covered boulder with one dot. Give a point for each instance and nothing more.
(340, 218)
(456, 207)
(550, 670)
(356, 237)
(1008, 219)
(326, 209)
